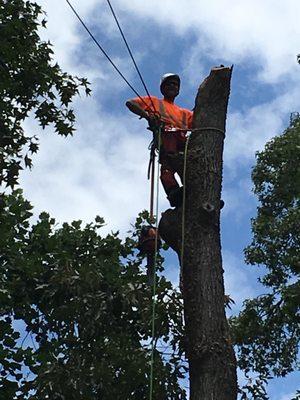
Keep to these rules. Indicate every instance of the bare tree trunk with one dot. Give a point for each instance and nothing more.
(211, 357)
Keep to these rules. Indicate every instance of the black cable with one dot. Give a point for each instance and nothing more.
(104, 52)
(130, 53)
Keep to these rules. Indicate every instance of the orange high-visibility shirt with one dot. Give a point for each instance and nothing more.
(171, 114)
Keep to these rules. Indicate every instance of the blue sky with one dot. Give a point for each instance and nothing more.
(102, 169)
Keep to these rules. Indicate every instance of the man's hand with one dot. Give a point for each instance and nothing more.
(153, 121)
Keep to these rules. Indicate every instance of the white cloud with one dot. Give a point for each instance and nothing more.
(248, 131)
(266, 32)
(239, 202)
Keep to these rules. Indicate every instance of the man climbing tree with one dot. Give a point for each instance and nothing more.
(174, 122)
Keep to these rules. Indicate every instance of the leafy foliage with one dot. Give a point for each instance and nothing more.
(30, 84)
(85, 309)
(267, 331)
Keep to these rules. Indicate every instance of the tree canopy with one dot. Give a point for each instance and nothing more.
(85, 308)
(31, 83)
(267, 331)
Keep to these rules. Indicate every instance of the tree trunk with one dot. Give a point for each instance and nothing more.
(211, 357)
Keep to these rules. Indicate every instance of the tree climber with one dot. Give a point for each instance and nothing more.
(175, 122)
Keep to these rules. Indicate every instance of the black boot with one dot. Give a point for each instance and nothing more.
(175, 196)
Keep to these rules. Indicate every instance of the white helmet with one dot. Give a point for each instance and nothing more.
(167, 76)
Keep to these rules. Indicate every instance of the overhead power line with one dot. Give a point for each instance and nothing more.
(104, 52)
(130, 53)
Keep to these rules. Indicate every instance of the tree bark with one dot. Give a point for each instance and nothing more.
(212, 363)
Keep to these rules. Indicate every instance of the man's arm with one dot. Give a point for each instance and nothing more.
(153, 119)
(136, 109)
